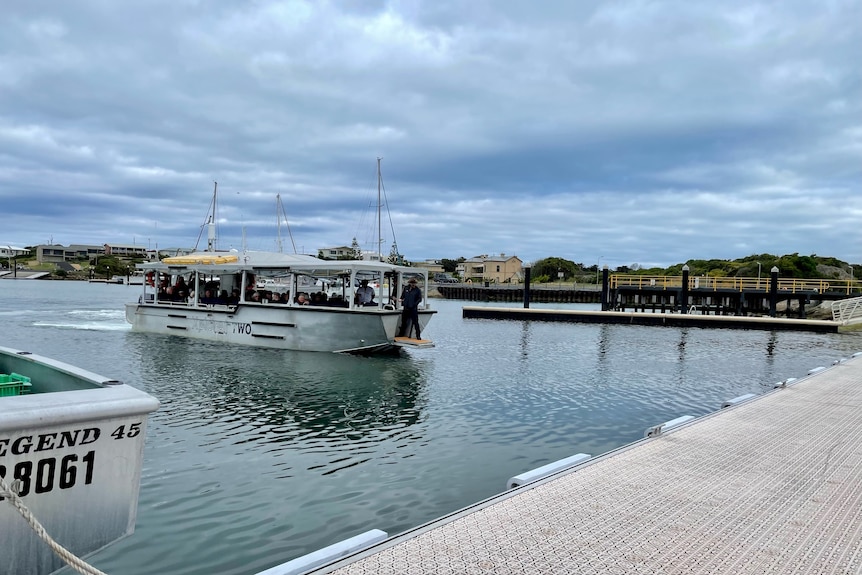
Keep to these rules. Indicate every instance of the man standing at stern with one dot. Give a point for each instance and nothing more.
(411, 297)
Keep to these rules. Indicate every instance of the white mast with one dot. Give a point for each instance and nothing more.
(278, 221)
(279, 209)
(211, 225)
(379, 232)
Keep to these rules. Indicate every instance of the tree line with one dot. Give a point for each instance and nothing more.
(789, 266)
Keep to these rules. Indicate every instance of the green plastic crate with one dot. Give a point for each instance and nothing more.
(13, 384)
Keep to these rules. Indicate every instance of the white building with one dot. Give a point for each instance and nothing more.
(10, 251)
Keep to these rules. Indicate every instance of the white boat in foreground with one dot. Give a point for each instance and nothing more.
(71, 448)
(253, 298)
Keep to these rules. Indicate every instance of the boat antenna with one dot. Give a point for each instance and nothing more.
(279, 209)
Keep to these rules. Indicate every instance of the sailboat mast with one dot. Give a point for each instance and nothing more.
(278, 210)
(379, 229)
(211, 225)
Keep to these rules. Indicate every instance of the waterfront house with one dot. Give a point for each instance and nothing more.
(492, 269)
(335, 253)
(125, 251)
(9, 251)
(55, 253)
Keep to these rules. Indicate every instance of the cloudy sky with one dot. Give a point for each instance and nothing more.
(640, 131)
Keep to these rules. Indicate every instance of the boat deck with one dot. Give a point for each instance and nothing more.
(402, 341)
(771, 485)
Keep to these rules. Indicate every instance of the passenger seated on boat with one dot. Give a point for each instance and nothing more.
(302, 299)
(250, 287)
(181, 290)
(275, 297)
(233, 299)
(163, 289)
(364, 293)
(255, 296)
(173, 294)
(319, 298)
(337, 301)
(208, 298)
(222, 297)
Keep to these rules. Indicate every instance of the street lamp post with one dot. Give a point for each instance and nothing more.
(598, 262)
(758, 275)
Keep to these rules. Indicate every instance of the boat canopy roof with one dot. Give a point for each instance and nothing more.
(236, 262)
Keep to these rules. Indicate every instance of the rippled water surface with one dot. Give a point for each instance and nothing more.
(258, 456)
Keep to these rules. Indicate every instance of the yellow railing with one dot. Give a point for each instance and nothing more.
(792, 285)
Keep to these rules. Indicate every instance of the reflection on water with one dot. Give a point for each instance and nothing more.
(525, 341)
(287, 396)
(333, 406)
(287, 446)
(680, 361)
(770, 346)
(257, 456)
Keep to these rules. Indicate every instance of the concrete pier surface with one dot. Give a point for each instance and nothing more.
(768, 485)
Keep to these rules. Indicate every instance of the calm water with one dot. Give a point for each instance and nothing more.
(258, 456)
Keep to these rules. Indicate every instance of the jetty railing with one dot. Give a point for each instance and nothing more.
(847, 310)
(792, 285)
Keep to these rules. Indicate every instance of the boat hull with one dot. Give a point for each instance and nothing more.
(306, 328)
(74, 448)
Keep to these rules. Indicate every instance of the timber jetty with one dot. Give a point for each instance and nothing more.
(685, 294)
(516, 294)
(653, 319)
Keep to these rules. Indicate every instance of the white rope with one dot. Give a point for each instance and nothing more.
(73, 561)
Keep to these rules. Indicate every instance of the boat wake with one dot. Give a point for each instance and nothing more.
(19, 312)
(88, 320)
(85, 327)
